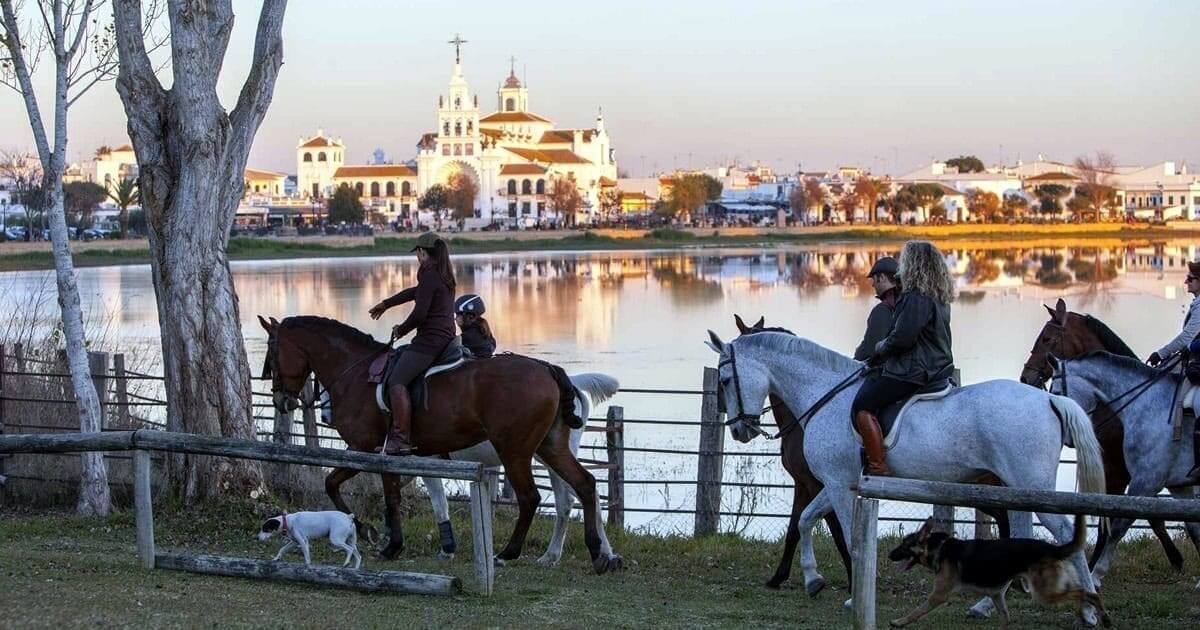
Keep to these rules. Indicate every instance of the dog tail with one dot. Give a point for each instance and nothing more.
(1078, 432)
(1077, 543)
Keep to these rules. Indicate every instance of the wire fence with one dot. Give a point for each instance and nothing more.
(657, 473)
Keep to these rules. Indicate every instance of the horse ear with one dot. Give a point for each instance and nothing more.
(741, 325)
(1060, 309)
(762, 322)
(715, 343)
(262, 322)
(274, 323)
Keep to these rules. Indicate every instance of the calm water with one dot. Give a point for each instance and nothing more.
(643, 316)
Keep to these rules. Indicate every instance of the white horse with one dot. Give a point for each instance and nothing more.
(1143, 398)
(592, 389)
(1003, 427)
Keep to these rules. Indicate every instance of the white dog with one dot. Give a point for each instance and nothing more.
(301, 527)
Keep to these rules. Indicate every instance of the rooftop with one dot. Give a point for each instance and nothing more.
(376, 170)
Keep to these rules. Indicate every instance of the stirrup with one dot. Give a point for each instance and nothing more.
(404, 448)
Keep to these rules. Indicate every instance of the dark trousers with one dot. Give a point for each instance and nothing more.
(878, 392)
(408, 367)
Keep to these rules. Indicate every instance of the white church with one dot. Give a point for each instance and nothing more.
(513, 155)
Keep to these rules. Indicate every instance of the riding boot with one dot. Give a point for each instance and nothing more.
(398, 440)
(872, 439)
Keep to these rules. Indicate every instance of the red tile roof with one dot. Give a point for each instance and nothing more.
(502, 117)
(550, 156)
(376, 170)
(257, 174)
(1050, 177)
(606, 182)
(522, 169)
(123, 148)
(559, 136)
(320, 141)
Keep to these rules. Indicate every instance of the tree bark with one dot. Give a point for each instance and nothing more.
(94, 497)
(191, 157)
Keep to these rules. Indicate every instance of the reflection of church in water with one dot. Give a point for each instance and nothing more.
(513, 156)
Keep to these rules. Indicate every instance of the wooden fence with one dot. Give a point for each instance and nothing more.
(142, 442)
(864, 531)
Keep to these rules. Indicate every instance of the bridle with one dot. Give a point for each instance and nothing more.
(754, 421)
(294, 399)
(1045, 366)
(1129, 395)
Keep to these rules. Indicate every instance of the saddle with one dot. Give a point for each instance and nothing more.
(452, 357)
(890, 417)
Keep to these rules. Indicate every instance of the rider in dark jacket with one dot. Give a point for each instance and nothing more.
(433, 319)
(915, 353)
(476, 333)
(887, 291)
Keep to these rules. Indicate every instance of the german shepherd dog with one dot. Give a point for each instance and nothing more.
(988, 567)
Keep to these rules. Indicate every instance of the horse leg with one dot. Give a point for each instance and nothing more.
(817, 507)
(800, 500)
(1020, 525)
(556, 453)
(441, 511)
(333, 488)
(519, 472)
(1061, 528)
(563, 500)
(1192, 528)
(392, 487)
(843, 505)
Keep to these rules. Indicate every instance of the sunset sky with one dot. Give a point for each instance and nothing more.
(886, 85)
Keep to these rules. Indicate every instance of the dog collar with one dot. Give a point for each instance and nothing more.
(283, 517)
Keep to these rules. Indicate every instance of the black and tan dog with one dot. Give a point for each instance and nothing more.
(988, 567)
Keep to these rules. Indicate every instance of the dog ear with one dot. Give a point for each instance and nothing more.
(926, 527)
(271, 524)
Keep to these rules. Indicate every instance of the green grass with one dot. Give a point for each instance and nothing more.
(59, 571)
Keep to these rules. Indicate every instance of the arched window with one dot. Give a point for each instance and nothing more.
(512, 186)
(526, 187)
(307, 157)
(358, 188)
(445, 149)
(458, 128)
(374, 189)
(321, 157)
(509, 105)
(541, 186)
(470, 127)
(458, 149)
(446, 128)
(470, 148)
(405, 189)
(457, 102)
(391, 189)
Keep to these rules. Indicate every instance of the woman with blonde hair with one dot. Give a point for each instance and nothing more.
(915, 353)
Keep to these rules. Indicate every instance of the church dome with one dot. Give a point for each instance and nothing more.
(512, 81)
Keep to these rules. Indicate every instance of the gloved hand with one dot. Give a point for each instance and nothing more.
(1154, 359)
(397, 332)
(377, 310)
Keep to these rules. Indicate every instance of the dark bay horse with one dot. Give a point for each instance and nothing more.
(806, 486)
(1068, 335)
(519, 404)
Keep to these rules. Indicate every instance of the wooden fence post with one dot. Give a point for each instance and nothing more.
(943, 519)
(98, 366)
(864, 538)
(983, 526)
(18, 356)
(144, 508)
(3, 393)
(310, 414)
(122, 386)
(481, 534)
(710, 464)
(615, 444)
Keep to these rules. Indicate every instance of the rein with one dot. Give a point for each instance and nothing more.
(1133, 393)
(269, 371)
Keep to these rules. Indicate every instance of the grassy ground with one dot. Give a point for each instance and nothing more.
(62, 571)
(38, 256)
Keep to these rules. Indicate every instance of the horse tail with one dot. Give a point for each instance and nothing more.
(599, 387)
(1077, 432)
(566, 397)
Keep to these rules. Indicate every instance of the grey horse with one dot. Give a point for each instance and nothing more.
(1011, 430)
(1155, 461)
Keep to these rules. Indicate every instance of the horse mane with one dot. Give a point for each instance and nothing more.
(326, 326)
(777, 329)
(1121, 361)
(789, 343)
(1112, 343)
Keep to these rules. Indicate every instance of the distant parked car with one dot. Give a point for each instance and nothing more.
(14, 233)
(93, 234)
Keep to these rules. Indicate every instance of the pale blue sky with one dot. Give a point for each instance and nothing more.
(880, 84)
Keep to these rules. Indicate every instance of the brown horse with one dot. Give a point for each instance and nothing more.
(521, 405)
(806, 486)
(1068, 335)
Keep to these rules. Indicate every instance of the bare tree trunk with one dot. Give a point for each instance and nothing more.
(191, 158)
(94, 498)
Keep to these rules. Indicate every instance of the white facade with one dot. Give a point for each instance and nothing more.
(1000, 184)
(110, 167)
(317, 159)
(513, 155)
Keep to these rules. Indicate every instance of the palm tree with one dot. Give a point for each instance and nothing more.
(868, 190)
(124, 194)
(103, 150)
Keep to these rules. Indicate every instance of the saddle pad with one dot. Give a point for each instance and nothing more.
(890, 419)
(1185, 400)
(378, 367)
(419, 389)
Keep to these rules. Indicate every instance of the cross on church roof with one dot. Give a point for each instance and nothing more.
(458, 41)
(512, 65)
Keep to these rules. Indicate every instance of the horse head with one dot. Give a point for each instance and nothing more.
(285, 365)
(1051, 341)
(743, 380)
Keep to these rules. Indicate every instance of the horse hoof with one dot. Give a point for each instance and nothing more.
(548, 561)
(775, 583)
(813, 587)
(974, 613)
(848, 604)
(498, 561)
(442, 555)
(616, 563)
(390, 552)
(603, 564)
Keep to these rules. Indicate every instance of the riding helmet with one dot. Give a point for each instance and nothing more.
(469, 303)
